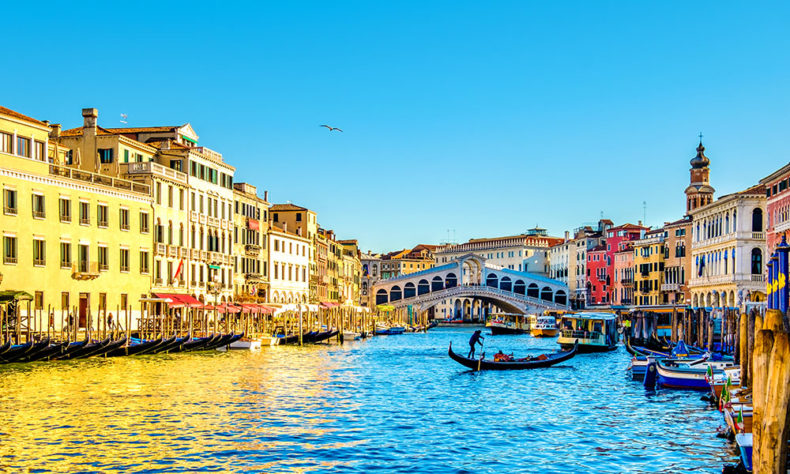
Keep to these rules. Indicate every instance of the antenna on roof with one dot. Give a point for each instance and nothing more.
(123, 118)
(644, 211)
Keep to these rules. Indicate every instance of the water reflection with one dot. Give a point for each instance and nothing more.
(393, 404)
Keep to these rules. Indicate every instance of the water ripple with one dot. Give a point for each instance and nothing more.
(392, 404)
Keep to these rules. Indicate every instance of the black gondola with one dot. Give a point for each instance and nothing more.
(34, 349)
(71, 347)
(534, 363)
(166, 344)
(51, 351)
(197, 344)
(323, 336)
(88, 348)
(224, 340)
(16, 352)
(5, 347)
(133, 349)
(97, 348)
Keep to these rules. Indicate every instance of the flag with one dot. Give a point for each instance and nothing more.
(179, 269)
(710, 372)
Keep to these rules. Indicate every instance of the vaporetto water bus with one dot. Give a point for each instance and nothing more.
(508, 323)
(596, 332)
(545, 326)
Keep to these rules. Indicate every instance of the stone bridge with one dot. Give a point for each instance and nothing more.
(470, 281)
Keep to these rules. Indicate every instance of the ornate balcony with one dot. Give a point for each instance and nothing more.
(252, 250)
(85, 270)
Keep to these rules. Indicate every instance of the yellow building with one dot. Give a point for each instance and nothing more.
(78, 241)
(649, 257)
(350, 274)
(302, 222)
(407, 261)
(250, 249)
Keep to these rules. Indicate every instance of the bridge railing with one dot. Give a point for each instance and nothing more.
(448, 292)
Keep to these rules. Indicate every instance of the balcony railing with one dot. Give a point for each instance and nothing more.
(758, 235)
(758, 278)
(103, 267)
(670, 287)
(88, 177)
(150, 167)
(38, 214)
(85, 270)
(252, 276)
(183, 252)
(172, 251)
(252, 249)
(9, 211)
(160, 249)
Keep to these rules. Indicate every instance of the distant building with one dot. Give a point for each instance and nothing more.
(649, 256)
(623, 281)
(677, 264)
(777, 207)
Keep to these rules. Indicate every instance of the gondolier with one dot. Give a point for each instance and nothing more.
(475, 339)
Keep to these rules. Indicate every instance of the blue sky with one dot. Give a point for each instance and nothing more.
(483, 117)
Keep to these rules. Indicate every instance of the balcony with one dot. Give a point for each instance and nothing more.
(9, 211)
(158, 282)
(194, 254)
(38, 214)
(670, 287)
(172, 251)
(212, 221)
(183, 252)
(202, 219)
(88, 177)
(758, 235)
(203, 255)
(758, 278)
(193, 216)
(153, 168)
(253, 277)
(252, 250)
(85, 270)
(160, 249)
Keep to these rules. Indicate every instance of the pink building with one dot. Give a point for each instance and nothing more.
(622, 289)
(777, 206)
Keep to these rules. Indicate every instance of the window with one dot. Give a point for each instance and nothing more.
(38, 151)
(757, 261)
(105, 155)
(85, 213)
(143, 261)
(102, 215)
(23, 146)
(103, 263)
(144, 222)
(123, 219)
(5, 142)
(9, 249)
(175, 164)
(64, 300)
(38, 206)
(39, 253)
(126, 156)
(138, 157)
(124, 260)
(181, 198)
(170, 196)
(38, 300)
(64, 205)
(124, 301)
(757, 220)
(9, 202)
(84, 258)
(298, 217)
(65, 255)
(159, 193)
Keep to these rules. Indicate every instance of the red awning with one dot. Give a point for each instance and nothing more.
(252, 224)
(225, 308)
(267, 309)
(329, 305)
(190, 301)
(250, 308)
(173, 300)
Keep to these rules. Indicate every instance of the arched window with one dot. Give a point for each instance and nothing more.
(757, 261)
(757, 220)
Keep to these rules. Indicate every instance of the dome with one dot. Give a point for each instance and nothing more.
(700, 161)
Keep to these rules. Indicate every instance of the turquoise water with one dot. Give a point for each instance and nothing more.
(389, 404)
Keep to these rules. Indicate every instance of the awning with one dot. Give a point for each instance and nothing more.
(225, 308)
(328, 304)
(9, 295)
(250, 308)
(252, 224)
(174, 300)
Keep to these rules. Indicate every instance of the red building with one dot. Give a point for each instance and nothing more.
(600, 261)
(777, 206)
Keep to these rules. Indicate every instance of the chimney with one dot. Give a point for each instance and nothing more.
(90, 118)
(166, 144)
(266, 196)
(285, 227)
(567, 235)
(640, 222)
(54, 130)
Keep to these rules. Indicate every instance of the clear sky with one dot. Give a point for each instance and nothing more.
(483, 117)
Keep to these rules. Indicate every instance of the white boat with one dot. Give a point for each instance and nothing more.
(595, 332)
(545, 326)
(351, 336)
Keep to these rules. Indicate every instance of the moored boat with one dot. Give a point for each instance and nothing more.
(545, 326)
(595, 332)
(685, 374)
(508, 323)
(543, 360)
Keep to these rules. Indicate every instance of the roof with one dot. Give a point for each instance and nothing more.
(628, 227)
(685, 220)
(166, 128)
(75, 132)
(287, 207)
(597, 248)
(18, 116)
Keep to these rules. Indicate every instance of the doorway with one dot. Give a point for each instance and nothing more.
(84, 304)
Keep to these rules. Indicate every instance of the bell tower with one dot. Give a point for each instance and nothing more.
(699, 192)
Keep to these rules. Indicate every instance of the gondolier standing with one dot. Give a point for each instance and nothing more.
(475, 339)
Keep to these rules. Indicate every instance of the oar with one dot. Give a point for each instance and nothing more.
(482, 354)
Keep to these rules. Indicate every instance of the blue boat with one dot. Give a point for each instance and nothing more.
(744, 441)
(683, 374)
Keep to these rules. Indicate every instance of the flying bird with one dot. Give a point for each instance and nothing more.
(331, 128)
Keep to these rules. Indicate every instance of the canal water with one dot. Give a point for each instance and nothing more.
(389, 404)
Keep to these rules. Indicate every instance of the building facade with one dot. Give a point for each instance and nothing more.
(777, 207)
(250, 244)
(289, 266)
(649, 260)
(677, 265)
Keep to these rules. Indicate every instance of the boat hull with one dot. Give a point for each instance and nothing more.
(544, 332)
(479, 364)
(504, 330)
(681, 379)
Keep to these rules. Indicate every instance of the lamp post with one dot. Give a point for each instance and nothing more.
(215, 290)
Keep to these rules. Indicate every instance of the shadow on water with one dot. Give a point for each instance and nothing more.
(389, 404)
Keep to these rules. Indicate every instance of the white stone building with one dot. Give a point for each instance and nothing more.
(289, 267)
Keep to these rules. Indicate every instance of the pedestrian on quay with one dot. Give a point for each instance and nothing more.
(475, 339)
(110, 322)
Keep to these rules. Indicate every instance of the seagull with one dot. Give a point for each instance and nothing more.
(331, 128)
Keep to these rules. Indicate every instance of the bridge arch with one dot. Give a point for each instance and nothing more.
(519, 287)
(471, 269)
(382, 297)
(560, 297)
(423, 287)
(491, 280)
(505, 284)
(546, 294)
(395, 293)
(533, 291)
(450, 280)
(409, 290)
(437, 283)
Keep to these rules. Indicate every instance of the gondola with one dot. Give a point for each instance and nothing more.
(80, 352)
(197, 344)
(134, 348)
(224, 340)
(96, 348)
(289, 339)
(51, 351)
(70, 348)
(182, 342)
(323, 336)
(534, 363)
(236, 337)
(16, 351)
(166, 345)
(34, 349)
(310, 336)
(5, 347)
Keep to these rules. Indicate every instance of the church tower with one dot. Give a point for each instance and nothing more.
(699, 193)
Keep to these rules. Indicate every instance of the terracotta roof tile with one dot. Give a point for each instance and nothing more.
(287, 207)
(167, 128)
(17, 115)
